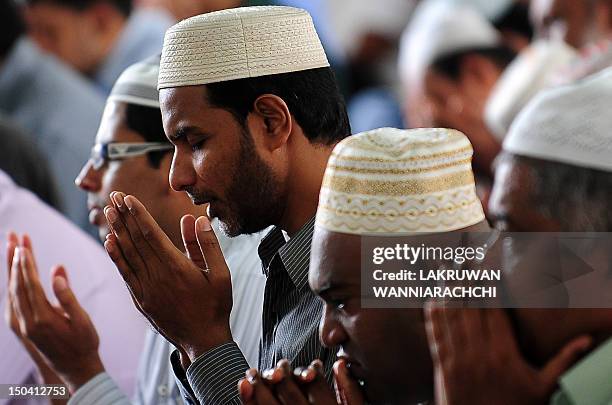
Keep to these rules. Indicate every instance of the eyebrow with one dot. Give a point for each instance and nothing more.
(183, 132)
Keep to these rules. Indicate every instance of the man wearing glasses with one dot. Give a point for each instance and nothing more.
(132, 154)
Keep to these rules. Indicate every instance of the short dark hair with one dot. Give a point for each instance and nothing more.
(147, 122)
(450, 65)
(11, 26)
(312, 96)
(515, 19)
(579, 198)
(124, 6)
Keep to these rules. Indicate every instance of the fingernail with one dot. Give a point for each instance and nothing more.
(317, 365)
(267, 374)
(298, 371)
(111, 214)
(251, 376)
(60, 283)
(128, 203)
(204, 224)
(308, 373)
(118, 200)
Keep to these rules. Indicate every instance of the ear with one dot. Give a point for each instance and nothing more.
(476, 69)
(274, 121)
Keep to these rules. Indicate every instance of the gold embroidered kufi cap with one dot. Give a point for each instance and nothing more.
(239, 43)
(393, 181)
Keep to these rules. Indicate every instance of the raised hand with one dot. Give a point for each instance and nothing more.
(187, 299)
(477, 360)
(62, 337)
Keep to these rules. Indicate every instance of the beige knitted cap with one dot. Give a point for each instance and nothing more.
(393, 181)
(239, 43)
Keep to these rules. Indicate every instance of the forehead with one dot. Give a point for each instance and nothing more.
(335, 259)
(113, 126)
(511, 186)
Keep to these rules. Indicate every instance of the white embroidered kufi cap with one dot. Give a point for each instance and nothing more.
(239, 43)
(393, 181)
(532, 71)
(568, 124)
(138, 84)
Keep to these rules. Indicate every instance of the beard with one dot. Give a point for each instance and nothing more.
(253, 199)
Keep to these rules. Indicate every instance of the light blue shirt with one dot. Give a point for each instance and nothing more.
(60, 110)
(142, 37)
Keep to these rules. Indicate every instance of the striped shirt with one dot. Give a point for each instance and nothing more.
(290, 323)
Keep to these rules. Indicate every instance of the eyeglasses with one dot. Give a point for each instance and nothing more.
(106, 152)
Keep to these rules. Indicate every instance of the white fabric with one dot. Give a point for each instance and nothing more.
(239, 43)
(138, 84)
(392, 181)
(438, 29)
(569, 124)
(529, 73)
(491, 9)
(92, 275)
(351, 20)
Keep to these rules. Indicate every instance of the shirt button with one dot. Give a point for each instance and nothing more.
(162, 390)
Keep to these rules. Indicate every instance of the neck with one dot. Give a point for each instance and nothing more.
(304, 180)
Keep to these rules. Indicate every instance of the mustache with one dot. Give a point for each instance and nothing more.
(199, 197)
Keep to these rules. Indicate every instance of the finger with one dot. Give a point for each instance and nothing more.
(157, 240)
(19, 294)
(474, 328)
(209, 245)
(436, 336)
(348, 389)
(190, 240)
(65, 296)
(564, 360)
(287, 390)
(12, 243)
(27, 243)
(317, 390)
(123, 241)
(261, 393)
(36, 295)
(246, 392)
(114, 252)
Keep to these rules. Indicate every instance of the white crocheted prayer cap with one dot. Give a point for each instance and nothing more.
(569, 124)
(438, 29)
(393, 181)
(532, 71)
(138, 84)
(239, 43)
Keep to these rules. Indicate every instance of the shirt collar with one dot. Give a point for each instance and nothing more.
(588, 382)
(294, 254)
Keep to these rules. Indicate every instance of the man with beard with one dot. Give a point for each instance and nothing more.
(415, 184)
(253, 109)
(378, 184)
(132, 153)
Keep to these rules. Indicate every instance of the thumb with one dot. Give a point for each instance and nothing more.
(209, 244)
(348, 389)
(563, 360)
(64, 294)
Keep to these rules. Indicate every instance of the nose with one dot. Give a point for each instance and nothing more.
(89, 178)
(182, 173)
(331, 331)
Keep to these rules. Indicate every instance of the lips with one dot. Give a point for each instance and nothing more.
(352, 365)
